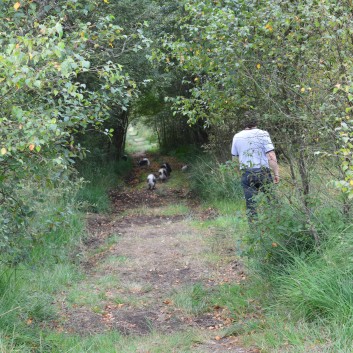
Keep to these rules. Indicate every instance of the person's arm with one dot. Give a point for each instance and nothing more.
(272, 161)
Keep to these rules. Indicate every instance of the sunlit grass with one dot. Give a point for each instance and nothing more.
(140, 138)
(179, 209)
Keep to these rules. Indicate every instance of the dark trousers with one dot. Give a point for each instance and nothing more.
(253, 181)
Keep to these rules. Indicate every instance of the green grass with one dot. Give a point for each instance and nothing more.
(100, 178)
(191, 300)
(229, 215)
(237, 298)
(112, 342)
(113, 260)
(197, 299)
(141, 138)
(105, 246)
(281, 334)
(214, 181)
(308, 306)
(179, 209)
(92, 294)
(319, 286)
(27, 292)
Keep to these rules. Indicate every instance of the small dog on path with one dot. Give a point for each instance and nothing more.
(143, 162)
(167, 167)
(151, 181)
(162, 174)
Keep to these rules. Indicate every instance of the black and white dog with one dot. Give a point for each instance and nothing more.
(151, 181)
(167, 167)
(163, 174)
(143, 162)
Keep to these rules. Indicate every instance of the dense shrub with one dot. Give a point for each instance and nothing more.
(33, 210)
(283, 229)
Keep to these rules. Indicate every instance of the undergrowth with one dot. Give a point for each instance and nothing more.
(299, 261)
(100, 177)
(27, 289)
(31, 277)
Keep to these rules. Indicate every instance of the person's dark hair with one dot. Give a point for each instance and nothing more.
(250, 119)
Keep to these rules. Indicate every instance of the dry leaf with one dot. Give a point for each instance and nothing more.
(16, 6)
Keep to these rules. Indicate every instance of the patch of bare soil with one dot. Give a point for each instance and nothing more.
(154, 258)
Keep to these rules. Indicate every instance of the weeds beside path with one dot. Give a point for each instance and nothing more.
(152, 275)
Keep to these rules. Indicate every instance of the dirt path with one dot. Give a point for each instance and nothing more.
(149, 267)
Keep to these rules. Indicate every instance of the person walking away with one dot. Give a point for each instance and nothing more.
(255, 151)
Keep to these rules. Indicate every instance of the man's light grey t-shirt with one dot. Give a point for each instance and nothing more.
(251, 147)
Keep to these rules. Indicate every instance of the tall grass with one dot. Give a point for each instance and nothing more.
(213, 180)
(27, 289)
(100, 176)
(320, 285)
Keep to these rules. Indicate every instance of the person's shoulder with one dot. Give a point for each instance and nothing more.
(261, 132)
(240, 133)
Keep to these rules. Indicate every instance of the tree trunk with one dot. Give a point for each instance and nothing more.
(119, 135)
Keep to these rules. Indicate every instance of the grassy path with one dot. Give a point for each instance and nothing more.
(156, 280)
(137, 142)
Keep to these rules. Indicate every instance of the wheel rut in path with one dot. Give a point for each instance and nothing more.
(141, 260)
